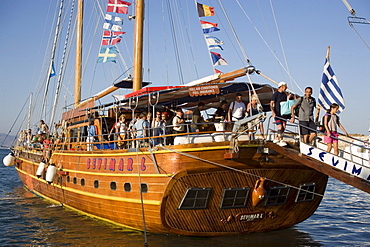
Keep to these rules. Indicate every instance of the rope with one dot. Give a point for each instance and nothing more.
(236, 36)
(141, 198)
(358, 34)
(254, 175)
(264, 41)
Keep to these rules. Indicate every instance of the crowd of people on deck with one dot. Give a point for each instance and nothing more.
(308, 125)
(283, 105)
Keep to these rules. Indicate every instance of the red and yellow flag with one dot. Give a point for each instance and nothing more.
(204, 10)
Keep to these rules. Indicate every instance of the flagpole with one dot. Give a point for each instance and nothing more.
(328, 53)
(318, 104)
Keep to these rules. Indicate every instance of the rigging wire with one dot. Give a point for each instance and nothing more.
(268, 46)
(280, 41)
(57, 28)
(234, 32)
(358, 34)
(177, 56)
(60, 75)
(16, 119)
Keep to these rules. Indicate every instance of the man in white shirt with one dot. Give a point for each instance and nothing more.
(237, 109)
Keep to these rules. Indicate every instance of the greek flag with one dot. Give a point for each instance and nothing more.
(329, 90)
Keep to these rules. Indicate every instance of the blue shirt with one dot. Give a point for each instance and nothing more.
(91, 130)
(139, 126)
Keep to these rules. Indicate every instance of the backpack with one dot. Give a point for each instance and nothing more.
(298, 107)
(322, 127)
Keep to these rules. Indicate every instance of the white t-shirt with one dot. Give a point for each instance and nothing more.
(121, 126)
(238, 110)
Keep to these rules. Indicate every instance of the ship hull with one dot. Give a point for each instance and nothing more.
(107, 185)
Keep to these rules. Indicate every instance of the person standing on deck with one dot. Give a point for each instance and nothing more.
(306, 105)
(196, 119)
(43, 127)
(237, 109)
(178, 122)
(254, 109)
(331, 120)
(90, 135)
(279, 96)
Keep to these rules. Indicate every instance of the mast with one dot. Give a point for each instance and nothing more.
(77, 91)
(138, 46)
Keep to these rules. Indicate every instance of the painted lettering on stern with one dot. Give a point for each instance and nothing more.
(99, 163)
(143, 166)
(120, 165)
(129, 164)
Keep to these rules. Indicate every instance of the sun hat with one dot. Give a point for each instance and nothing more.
(282, 83)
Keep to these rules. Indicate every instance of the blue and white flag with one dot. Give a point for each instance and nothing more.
(213, 42)
(112, 23)
(107, 54)
(330, 91)
(52, 70)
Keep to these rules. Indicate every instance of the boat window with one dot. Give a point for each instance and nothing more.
(144, 188)
(304, 193)
(83, 133)
(127, 187)
(96, 184)
(60, 180)
(113, 185)
(234, 198)
(195, 198)
(74, 134)
(75, 180)
(82, 181)
(68, 179)
(277, 195)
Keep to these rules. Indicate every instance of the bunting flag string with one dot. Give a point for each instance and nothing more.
(204, 10)
(107, 54)
(209, 27)
(112, 34)
(111, 38)
(211, 41)
(217, 59)
(118, 6)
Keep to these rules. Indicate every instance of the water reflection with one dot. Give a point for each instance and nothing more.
(341, 219)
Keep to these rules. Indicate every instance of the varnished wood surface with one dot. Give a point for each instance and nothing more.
(167, 179)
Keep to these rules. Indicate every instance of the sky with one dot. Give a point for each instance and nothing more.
(305, 29)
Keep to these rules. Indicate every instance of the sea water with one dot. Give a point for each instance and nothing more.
(343, 219)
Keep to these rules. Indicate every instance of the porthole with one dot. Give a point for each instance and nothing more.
(113, 185)
(68, 179)
(75, 180)
(60, 180)
(82, 181)
(96, 184)
(144, 188)
(127, 187)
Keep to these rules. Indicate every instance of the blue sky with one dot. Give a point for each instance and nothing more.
(306, 27)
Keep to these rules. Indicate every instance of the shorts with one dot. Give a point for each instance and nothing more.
(305, 131)
(328, 139)
(279, 121)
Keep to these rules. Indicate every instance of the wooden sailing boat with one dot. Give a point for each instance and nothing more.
(205, 183)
